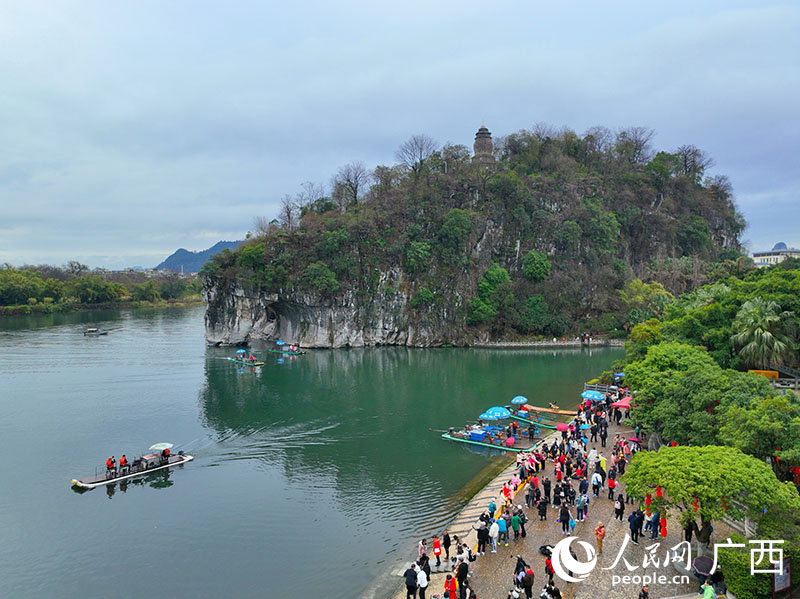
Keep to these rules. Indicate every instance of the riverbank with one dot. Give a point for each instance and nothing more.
(68, 307)
(549, 344)
(491, 574)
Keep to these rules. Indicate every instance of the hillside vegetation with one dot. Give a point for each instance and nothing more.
(541, 242)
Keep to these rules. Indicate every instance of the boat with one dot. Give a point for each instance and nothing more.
(287, 351)
(246, 362)
(93, 332)
(516, 416)
(141, 466)
(551, 410)
(477, 436)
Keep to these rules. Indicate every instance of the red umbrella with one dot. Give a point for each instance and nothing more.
(634, 439)
(562, 426)
(625, 402)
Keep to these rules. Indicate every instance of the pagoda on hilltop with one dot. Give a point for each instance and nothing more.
(483, 148)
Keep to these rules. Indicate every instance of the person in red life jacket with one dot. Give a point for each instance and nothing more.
(437, 550)
(123, 462)
(165, 455)
(111, 465)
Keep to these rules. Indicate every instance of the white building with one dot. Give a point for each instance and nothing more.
(779, 253)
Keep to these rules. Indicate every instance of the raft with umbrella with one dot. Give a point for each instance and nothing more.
(279, 349)
(145, 464)
(240, 359)
(482, 435)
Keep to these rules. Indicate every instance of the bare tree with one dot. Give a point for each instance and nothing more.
(414, 152)
(633, 144)
(349, 180)
(288, 213)
(74, 267)
(693, 162)
(263, 227)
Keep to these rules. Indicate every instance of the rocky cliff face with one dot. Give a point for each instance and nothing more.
(236, 315)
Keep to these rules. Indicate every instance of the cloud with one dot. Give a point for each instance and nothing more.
(127, 131)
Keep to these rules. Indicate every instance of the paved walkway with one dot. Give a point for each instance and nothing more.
(491, 576)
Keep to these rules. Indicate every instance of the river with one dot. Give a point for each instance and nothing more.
(311, 474)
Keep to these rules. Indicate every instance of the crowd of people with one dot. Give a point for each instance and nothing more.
(564, 475)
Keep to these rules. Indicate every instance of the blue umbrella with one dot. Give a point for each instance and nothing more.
(519, 399)
(499, 412)
(488, 416)
(585, 426)
(593, 395)
(619, 374)
(279, 342)
(241, 351)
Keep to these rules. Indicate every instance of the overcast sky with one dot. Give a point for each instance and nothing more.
(130, 129)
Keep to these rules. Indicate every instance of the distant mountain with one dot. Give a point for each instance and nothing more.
(186, 261)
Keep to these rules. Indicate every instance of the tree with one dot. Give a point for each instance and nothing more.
(693, 162)
(632, 145)
(707, 483)
(146, 292)
(760, 333)
(650, 297)
(414, 152)
(76, 268)
(351, 177)
(768, 429)
(318, 276)
(536, 266)
(288, 213)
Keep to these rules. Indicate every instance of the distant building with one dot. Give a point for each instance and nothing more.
(483, 147)
(779, 253)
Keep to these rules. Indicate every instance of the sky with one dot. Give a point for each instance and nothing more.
(131, 129)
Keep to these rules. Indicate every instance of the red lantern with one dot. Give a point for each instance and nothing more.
(648, 500)
(695, 505)
(724, 504)
(658, 491)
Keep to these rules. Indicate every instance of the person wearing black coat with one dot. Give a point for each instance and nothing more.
(483, 539)
(546, 484)
(542, 508)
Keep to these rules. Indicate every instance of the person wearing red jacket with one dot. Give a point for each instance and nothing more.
(450, 587)
(437, 550)
(111, 465)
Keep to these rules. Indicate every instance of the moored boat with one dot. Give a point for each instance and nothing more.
(488, 436)
(141, 466)
(287, 351)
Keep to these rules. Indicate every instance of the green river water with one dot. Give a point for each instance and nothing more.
(315, 473)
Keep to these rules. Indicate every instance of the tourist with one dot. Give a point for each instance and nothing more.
(548, 568)
(515, 525)
(619, 508)
(611, 486)
(411, 581)
(492, 507)
(529, 493)
(494, 533)
(541, 507)
(503, 527)
(633, 523)
(546, 488)
(527, 583)
(600, 534)
(597, 483)
(655, 521)
(422, 548)
(645, 592)
(422, 582)
(564, 517)
(483, 538)
(462, 571)
(437, 550)
(446, 545)
(450, 587)
(580, 506)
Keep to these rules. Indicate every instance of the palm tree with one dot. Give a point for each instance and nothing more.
(760, 333)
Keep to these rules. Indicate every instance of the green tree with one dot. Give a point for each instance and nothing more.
(319, 277)
(536, 266)
(494, 296)
(718, 481)
(146, 292)
(93, 289)
(418, 255)
(760, 333)
(767, 428)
